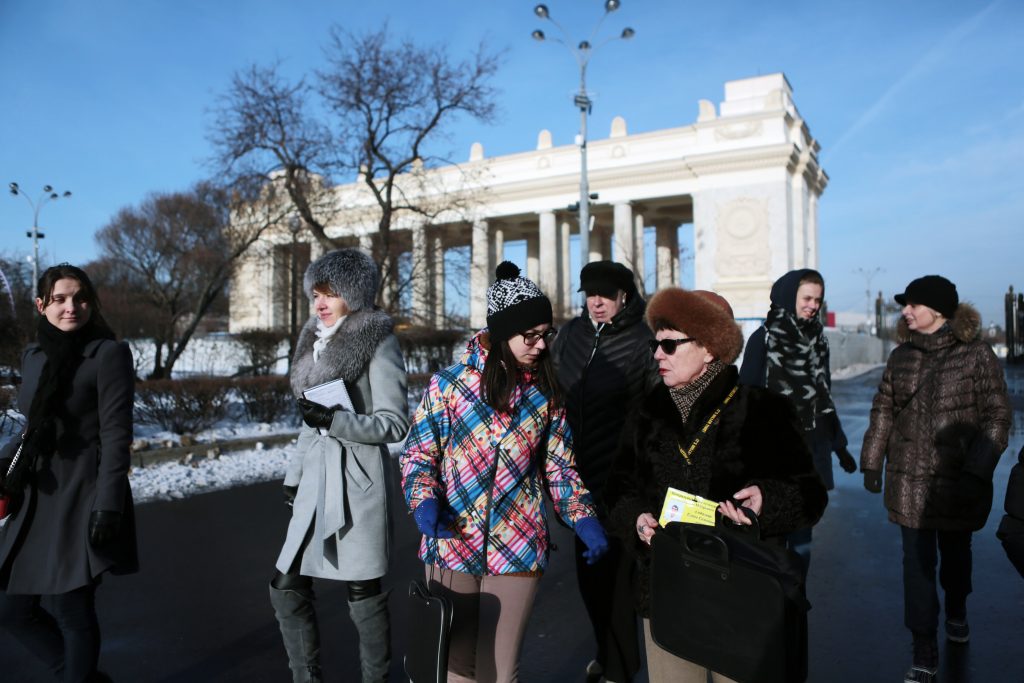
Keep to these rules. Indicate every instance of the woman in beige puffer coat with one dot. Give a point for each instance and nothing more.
(939, 423)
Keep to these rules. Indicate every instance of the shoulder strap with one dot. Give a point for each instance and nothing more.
(712, 419)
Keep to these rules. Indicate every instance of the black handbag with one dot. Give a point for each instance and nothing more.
(431, 616)
(728, 601)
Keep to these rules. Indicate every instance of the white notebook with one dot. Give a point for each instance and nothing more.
(330, 394)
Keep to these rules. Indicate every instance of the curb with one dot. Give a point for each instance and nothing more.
(210, 450)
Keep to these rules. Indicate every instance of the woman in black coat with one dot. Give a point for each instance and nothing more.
(70, 517)
(701, 433)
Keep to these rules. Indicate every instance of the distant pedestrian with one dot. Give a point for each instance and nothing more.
(604, 367)
(1011, 528)
(789, 355)
(939, 423)
(703, 434)
(337, 482)
(488, 438)
(71, 517)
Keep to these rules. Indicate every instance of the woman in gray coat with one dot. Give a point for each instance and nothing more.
(69, 517)
(338, 479)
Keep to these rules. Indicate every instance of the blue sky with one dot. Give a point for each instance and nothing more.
(918, 106)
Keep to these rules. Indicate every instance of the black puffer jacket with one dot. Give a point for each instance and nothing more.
(603, 373)
(757, 440)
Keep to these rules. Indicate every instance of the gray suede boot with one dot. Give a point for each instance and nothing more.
(297, 619)
(370, 615)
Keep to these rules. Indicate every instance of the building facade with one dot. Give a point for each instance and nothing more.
(745, 174)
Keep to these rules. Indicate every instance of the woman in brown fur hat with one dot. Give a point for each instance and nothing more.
(939, 423)
(701, 433)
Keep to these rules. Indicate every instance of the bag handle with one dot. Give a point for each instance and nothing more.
(714, 554)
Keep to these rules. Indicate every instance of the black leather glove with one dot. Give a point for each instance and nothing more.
(104, 526)
(873, 481)
(846, 461)
(289, 494)
(316, 415)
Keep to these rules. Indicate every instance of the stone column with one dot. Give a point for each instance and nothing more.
(532, 257)
(624, 251)
(436, 259)
(638, 240)
(812, 232)
(598, 244)
(419, 275)
(479, 278)
(667, 249)
(565, 268)
(548, 257)
(497, 247)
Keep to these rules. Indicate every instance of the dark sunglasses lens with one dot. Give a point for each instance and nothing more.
(667, 345)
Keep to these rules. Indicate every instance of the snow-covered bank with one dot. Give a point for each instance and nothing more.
(855, 370)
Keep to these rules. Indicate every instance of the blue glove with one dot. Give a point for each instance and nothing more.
(591, 533)
(433, 522)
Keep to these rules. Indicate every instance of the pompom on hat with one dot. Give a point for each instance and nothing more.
(701, 314)
(514, 303)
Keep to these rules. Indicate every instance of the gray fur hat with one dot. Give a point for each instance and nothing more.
(350, 273)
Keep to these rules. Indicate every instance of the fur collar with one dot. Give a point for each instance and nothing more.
(346, 356)
(965, 326)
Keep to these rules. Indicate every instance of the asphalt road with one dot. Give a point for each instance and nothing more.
(198, 610)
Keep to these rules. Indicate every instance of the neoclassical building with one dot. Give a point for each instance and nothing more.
(745, 174)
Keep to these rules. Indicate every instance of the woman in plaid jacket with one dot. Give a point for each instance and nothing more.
(488, 436)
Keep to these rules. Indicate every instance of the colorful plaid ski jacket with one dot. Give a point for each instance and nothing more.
(486, 466)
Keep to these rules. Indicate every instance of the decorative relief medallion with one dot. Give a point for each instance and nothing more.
(738, 131)
(618, 151)
(544, 162)
(742, 239)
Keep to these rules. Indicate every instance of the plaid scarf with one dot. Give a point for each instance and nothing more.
(686, 396)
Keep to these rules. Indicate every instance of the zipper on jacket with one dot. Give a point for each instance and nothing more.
(490, 502)
(583, 379)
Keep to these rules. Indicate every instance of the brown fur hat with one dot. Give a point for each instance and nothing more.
(703, 315)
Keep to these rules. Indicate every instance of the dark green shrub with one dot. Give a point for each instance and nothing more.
(265, 399)
(182, 406)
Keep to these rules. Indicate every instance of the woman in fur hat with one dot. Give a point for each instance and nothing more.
(702, 433)
(939, 423)
(338, 479)
(488, 437)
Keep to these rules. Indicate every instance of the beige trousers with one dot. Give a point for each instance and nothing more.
(665, 667)
(489, 615)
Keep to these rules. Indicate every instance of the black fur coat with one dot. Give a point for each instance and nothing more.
(757, 440)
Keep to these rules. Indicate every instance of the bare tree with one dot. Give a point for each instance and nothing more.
(388, 107)
(17, 312)
(175, 254)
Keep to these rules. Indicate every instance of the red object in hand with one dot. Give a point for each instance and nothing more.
(3, 506)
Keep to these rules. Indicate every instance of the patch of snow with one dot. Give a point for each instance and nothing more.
(174, 480)
(855, 370)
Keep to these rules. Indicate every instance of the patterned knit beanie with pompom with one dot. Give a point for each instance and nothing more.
(514, 303)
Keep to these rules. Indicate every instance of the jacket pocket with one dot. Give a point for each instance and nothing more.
(354, 471)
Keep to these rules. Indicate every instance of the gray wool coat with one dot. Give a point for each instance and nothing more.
(45, 543)
(343, 476)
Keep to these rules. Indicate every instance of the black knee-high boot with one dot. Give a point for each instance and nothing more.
(369, 613)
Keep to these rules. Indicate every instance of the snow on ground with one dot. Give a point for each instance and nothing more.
(174, 480)
(855, 370)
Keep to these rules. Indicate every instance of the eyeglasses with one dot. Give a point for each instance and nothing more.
(668, 345)
(531, 338)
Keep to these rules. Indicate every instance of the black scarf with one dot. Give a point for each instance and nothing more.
(63, 351)
(797, 349)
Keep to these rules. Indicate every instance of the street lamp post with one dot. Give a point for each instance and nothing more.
(869, 274)
(583, 52)
(47, 195)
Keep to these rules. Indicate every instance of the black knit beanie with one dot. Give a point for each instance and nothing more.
(514, 303)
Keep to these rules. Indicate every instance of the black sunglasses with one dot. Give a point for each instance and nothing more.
(668, 345)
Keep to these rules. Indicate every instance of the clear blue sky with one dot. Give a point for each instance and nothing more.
(918, 106)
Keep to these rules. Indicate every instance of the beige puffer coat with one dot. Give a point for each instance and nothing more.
(941, 412)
